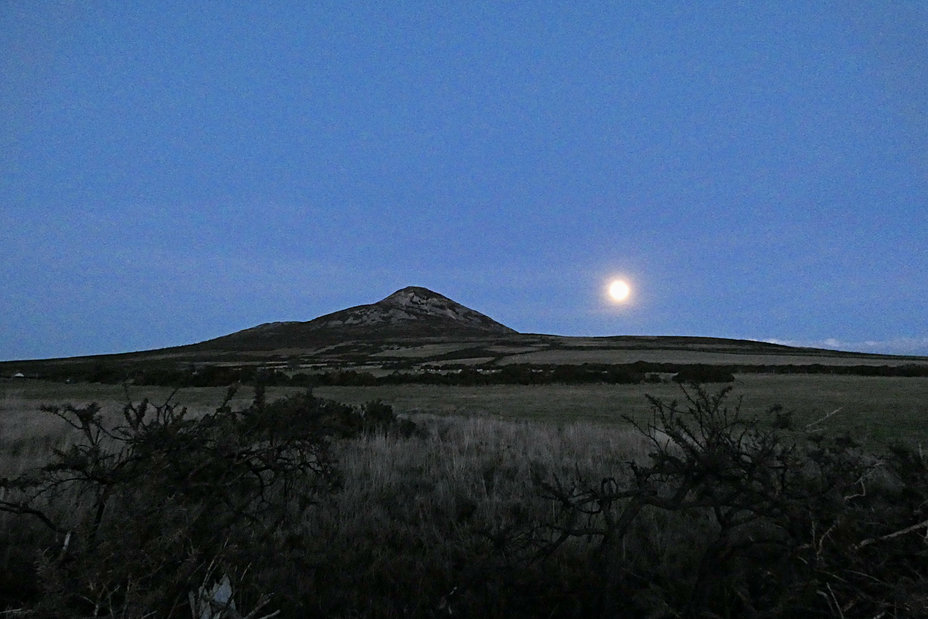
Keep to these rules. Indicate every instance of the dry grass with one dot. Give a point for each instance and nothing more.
(417, 517)
(421, 517)
(24, 428)
(873, 409)
(488, 460)
(27, 435)
(432, 524)
(576, 355)
(876, 408)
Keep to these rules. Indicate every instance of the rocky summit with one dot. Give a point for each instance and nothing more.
(412, 312)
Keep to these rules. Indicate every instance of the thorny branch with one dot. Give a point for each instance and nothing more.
(759, 488)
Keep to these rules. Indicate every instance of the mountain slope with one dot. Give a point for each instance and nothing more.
(411, 312)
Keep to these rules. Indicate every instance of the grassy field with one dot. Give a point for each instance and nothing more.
(450, 520)
(618, 355)
(27, 434)
(873, 409)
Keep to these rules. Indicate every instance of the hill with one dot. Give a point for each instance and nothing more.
(410, 313)
(416, 330)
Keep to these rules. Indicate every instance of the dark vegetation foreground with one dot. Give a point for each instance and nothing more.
(305, 507)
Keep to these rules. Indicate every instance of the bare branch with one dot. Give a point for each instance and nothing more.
(915, 527)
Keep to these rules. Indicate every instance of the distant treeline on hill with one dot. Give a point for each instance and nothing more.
(516, 374)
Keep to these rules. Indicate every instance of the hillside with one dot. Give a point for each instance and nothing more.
(412, 312)
(415, 329)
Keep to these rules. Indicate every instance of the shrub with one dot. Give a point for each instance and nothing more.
(165, 504)
(699, 511)
(697, 374)
(766, 524)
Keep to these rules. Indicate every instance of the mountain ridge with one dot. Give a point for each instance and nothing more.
(410, 312)
(415, 325)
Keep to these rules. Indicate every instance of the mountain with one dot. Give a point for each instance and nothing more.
(412, 312)
(416, 327)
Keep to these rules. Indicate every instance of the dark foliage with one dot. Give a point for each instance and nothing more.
(704, 374)
(166, 503)
(727, 516)
(288, 372)
(780, 525)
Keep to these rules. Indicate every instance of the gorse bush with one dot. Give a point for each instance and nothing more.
(769, 523)
(164, 502)
(308, 508)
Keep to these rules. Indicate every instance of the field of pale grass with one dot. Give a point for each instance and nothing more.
(27, 433)
(872, 409)
(419, 518)
(440, 506)
(446, 521)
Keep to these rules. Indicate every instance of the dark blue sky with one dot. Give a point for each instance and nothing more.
(172, 172)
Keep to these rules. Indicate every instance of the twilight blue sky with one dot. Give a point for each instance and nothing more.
(175, 171)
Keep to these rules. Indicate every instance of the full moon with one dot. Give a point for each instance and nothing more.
(619, 291)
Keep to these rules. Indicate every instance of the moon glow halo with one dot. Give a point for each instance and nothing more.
(619, 291)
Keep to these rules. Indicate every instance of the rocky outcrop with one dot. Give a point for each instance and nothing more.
(411, 312)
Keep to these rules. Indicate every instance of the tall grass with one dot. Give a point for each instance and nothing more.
(466, 516)
(429, 523)
(438, 523)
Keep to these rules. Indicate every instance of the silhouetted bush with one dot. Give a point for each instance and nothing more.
(719, 515)
(166, 503)
(769, 524)
(704, 374)
(107, 374)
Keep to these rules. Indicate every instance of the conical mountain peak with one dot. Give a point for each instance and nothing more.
(418, 298)
(411, 312)
(415, 310)
(413, 292)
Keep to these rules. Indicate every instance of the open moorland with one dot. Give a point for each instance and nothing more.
(501, 500)
(382, 356)
(874, 409)
(871, 408)
(487, 473)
